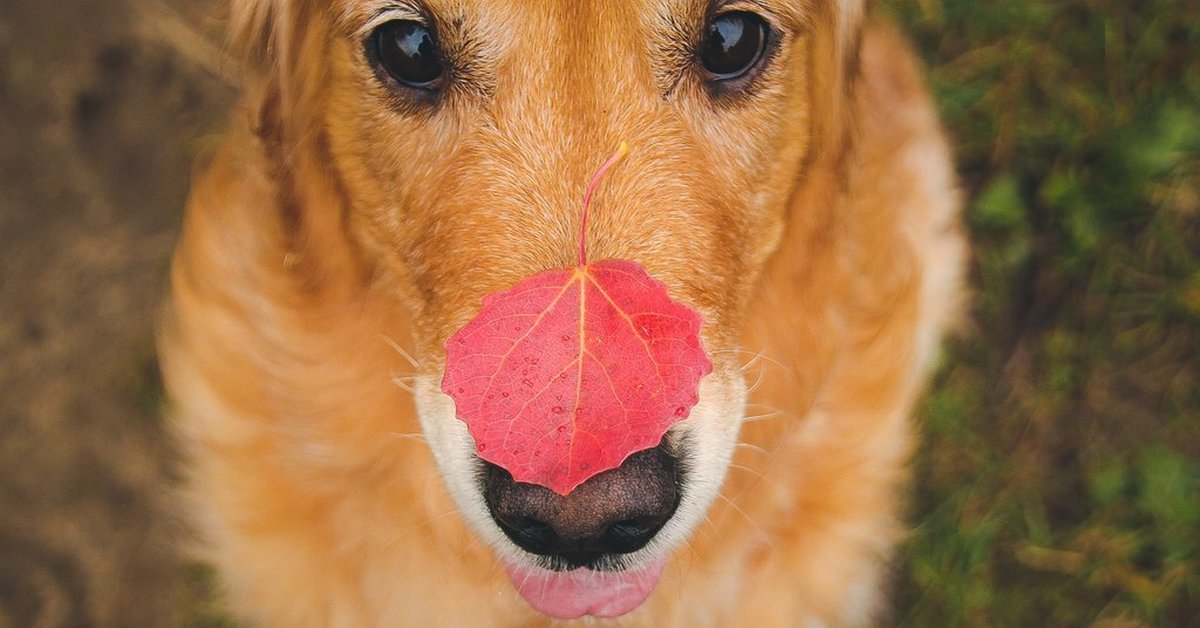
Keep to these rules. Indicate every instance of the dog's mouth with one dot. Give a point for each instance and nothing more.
(583, 541)
(584, 591)
(600, 549)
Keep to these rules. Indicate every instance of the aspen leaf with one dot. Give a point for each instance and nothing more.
(572, 370)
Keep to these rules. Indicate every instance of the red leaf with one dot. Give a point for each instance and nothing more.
(571, 371)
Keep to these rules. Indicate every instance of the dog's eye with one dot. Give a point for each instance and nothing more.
(407, 52)
(734, 43)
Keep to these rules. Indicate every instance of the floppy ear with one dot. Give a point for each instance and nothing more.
(837, 44)
(835, 40)
(851, 13)
(280, 43)
(256, 27)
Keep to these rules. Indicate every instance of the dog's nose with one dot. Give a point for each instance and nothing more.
(615, 512)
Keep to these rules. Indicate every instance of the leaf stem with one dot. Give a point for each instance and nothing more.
(587, 198)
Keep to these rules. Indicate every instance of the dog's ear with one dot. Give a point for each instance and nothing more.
(255, 31)
(838, 45)
(837, 28)
(279, 43)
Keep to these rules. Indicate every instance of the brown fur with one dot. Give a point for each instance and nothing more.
(813, 223)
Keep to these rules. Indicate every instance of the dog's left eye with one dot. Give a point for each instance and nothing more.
(734, 45)
(407, 51)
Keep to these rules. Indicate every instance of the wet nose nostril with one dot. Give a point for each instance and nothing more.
(531, 532)
(615, 512)
(633, 528)
(631, 534)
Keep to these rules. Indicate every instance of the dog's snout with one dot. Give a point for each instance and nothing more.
(615, 512)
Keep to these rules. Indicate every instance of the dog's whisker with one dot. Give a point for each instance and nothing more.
(753, 447)
(767, 412)
(428, 520)
(417, 437)
(473, 541)
(686, 567)
(757, 382)
(404, 382)
(736, 351)
(525, 581)
(755, 360)
(404, 354)
(759, 476)
(756, 357)
(762, 417)
(691, 546)
(496, 560)
(753, 525)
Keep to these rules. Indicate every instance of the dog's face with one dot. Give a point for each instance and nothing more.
(462, 135)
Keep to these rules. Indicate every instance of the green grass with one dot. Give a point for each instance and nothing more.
(1058, 481)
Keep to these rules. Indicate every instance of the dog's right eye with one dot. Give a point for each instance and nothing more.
(734, 44)
(407, 52)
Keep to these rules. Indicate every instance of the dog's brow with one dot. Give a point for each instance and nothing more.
(363, 17)
(793, 16)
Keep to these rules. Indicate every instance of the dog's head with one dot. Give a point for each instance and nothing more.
(459, 137)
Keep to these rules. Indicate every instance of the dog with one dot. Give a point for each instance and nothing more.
(394, 161)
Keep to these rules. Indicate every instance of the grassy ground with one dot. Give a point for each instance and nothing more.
(1059, 481)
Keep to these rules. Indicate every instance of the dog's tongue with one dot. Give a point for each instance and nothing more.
(571, 594)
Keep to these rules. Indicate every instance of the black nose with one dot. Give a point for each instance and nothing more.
(615, 512)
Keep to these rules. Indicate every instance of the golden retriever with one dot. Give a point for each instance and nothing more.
(393, 161)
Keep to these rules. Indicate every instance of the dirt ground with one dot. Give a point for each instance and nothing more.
(103, 105)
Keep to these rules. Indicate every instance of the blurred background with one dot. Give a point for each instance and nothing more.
(1058, 483)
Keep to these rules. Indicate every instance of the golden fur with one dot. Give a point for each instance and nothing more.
(813, 223)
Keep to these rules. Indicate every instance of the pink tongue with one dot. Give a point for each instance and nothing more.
(571, 594)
